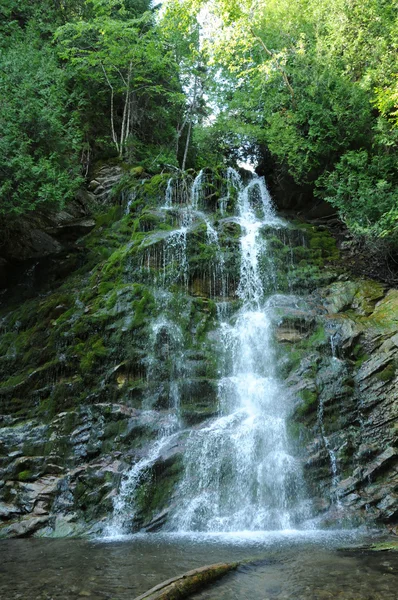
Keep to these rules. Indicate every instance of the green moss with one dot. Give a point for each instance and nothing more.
(90, 351)
(390, 545)
(368, 293)
(361, 359)
(388, 373)
(308, 405)
(297, 432)
(156, 492)
(385, 314)
(137, 171)
(25, 475)
(326, 244)
(114, 429)
(13, 381)
(108, 218)
(319, 239)
(291, 360)
(150, 221)
(317, 338)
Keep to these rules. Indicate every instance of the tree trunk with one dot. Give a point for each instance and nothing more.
(187, 146)
(114, 136)
(126, 113)
(184, 585)
(190, 117)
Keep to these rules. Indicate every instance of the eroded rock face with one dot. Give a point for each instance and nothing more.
(346, 414)
(90, 372)
(103, 181)
(60, 478)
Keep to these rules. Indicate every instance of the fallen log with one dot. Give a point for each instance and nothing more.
(182, 586)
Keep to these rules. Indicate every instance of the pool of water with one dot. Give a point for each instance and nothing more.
(285, 566)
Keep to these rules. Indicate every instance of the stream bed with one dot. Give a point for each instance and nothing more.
(285, 565)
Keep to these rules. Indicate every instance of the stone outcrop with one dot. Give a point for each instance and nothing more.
(89, 369)
(32, 242)
(61, 477)
(346, 384)
(103, 181)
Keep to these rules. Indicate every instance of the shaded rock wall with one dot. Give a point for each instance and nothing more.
(40, 248)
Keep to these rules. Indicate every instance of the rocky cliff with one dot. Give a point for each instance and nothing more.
(93, 366)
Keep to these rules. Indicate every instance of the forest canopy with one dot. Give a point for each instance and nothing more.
(308, 89)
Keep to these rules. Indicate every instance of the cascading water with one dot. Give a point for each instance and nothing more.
(168, 200)
(197, 190)
(238, 471)
(124, 503)
(165, 341)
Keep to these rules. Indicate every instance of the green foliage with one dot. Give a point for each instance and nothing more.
(129, 62)
(312, 90)
(81, 80)
(363, 186)
(40, 139)
(308, 88)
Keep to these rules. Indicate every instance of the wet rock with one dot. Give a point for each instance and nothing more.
(24, 528)
(373, 365)
(157, 521)
(87, 389)
(72, 230)
(390, 455)
(348, 485)
(103, 182)
(7, 511)
(358, 390)
(288, 335)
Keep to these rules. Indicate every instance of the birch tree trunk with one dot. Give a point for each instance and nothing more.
(190, 118)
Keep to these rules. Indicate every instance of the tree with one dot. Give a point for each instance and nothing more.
(315, 85)
(128, 56)
(181, 31)
(40, 139)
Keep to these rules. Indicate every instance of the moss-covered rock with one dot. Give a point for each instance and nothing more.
(94, 371)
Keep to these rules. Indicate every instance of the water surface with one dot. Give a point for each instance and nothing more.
(287, 566)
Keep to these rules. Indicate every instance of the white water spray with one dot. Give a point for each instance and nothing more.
(238, 471)
(239, 474)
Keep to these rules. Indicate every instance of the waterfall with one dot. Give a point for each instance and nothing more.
(124, 504)
(165, 340)
(130, 199)
(175, 255)
(238, 471)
